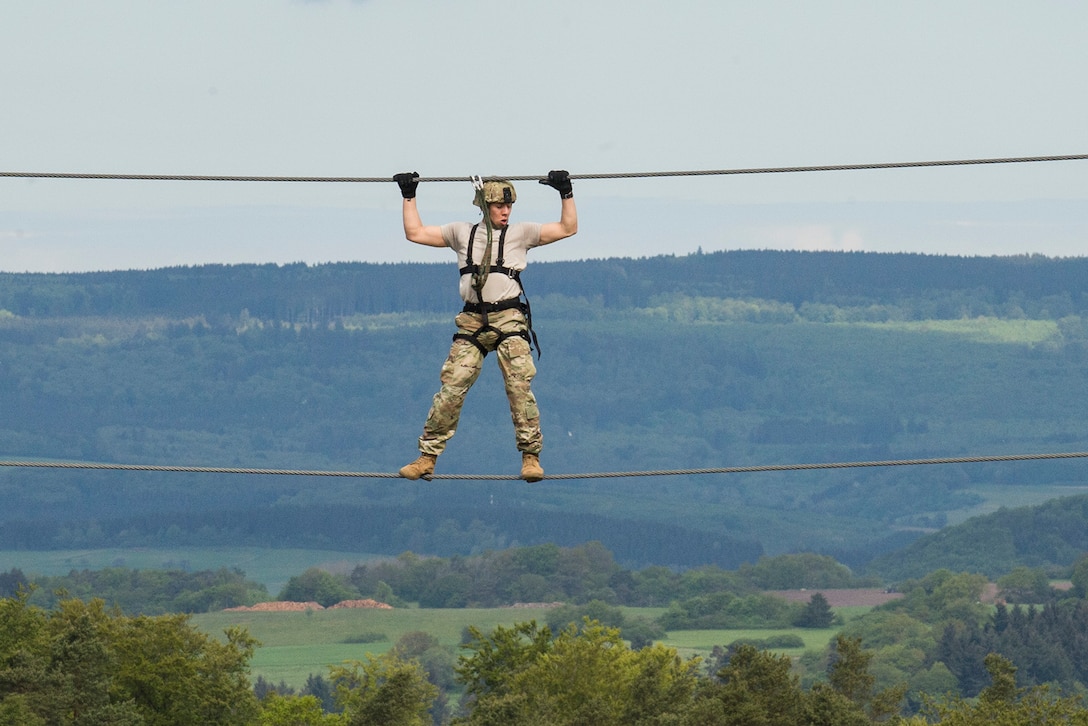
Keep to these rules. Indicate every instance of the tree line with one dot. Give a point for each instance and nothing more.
(139, 592)
(548, 573)
(996, 543)
(927, 286)
(541, 573)
(935, 637)
(939, 637)
(1047, 644)
(80, 664)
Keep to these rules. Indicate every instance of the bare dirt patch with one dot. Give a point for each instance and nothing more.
(366, 604)
(285, 606)
(536, 605)
(277, 606)
(839, 598)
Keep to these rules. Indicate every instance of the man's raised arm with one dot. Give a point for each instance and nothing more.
(414, 229)
(568, 213)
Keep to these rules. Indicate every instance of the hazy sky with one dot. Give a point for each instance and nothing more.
(367, 88)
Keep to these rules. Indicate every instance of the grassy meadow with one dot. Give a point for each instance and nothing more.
(979, 329)
(295, 645)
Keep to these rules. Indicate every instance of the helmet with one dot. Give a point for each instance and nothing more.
(497, 190)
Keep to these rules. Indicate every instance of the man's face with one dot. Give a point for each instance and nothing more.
(500, 213)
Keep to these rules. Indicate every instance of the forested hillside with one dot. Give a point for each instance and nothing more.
(994, 544)
(911, 286)
(710, 360)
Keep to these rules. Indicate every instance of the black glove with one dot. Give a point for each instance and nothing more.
(408, 182)
(559, 181)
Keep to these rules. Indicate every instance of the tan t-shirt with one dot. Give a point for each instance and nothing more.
(520, 238)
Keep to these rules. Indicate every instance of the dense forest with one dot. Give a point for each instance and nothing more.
(663, 363)
(80, 663)
(939, 636)
(993, 544)
(919, 286)
(542, 573)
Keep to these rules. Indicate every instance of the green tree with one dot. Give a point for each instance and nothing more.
(15, 709)
(383, 691)
(1080, 576)
(1024, 585)
(594, 610)
(943, 595)
(277, 710)
(12, 581)
(317, 585)
(816, 614)
(176, 674)
(586, 675)
(496, 659)
(794, 571)
(24, 648)
(1003, 704)
(80, 664)
(849, 676)
(756, 687)
(437, 660)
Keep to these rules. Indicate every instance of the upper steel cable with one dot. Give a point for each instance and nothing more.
(597, 475)
(617, 175)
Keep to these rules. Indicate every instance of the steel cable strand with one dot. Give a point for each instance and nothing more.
(590, 475)
(193, 469)
(534, 177)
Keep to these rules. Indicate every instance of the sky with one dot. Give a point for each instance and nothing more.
(369, 88)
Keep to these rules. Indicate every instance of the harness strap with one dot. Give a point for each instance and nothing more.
(473, 268)
(484, 308)
(474, 337)
(480, 308)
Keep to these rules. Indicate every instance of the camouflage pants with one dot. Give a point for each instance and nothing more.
(463, 367)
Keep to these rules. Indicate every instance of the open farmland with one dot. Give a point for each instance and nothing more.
(841, 598)
(295, 644)
(300, 642)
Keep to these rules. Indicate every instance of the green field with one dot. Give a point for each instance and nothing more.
(700, 642)
(980, 329)
(270, 567)
(297, 644)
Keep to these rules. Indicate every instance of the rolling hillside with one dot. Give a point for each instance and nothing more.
(667, 363)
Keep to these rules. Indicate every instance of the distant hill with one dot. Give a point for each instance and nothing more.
(664, 363)
(923, 286)
(1051, 536)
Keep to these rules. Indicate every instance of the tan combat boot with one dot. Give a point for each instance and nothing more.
(421, 467)
(531, 470)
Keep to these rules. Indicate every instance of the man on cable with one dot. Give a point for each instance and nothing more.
(491, 255)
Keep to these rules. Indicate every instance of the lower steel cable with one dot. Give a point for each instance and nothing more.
(596, 475)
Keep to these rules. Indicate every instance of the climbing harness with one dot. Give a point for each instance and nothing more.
(480, 307)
